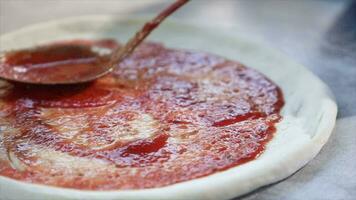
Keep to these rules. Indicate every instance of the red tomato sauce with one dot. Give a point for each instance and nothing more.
(163, 116)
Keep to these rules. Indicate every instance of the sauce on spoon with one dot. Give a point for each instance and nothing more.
(67, 63)
(56, 62)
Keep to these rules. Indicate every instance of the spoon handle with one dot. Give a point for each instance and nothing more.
(130, 46)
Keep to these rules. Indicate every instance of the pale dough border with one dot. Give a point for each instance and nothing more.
(308, 116)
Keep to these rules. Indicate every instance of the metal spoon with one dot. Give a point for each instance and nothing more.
(63, 73)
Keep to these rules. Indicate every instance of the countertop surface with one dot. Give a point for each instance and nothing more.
(319, 34)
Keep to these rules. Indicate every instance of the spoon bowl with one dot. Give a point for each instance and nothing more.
(73, 63)
(55, 64)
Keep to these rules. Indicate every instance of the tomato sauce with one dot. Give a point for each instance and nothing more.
(163, 116)
(57, 61)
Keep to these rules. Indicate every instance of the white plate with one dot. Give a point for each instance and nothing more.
(308, 115)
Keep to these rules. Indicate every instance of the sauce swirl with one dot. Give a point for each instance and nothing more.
(163, 116)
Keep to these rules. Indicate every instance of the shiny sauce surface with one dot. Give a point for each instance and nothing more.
(163, 116)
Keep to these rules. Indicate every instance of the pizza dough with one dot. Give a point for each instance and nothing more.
(308, 116)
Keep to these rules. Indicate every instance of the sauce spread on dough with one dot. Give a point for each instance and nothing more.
(163, 116)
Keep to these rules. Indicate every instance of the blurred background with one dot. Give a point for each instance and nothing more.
(320, 34)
